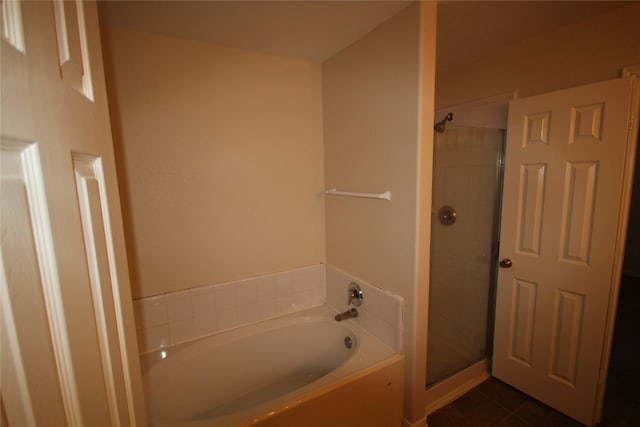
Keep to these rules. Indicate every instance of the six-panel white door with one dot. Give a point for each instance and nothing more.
(563, 182)
(69, 353)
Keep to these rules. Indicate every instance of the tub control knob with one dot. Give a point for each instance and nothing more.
(355, 295)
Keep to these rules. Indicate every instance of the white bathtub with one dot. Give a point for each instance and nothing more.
(261, 372)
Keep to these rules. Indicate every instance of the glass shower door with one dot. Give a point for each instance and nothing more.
(464, 225)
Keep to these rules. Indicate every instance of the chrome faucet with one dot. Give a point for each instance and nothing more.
(355, 297)
(349, 314)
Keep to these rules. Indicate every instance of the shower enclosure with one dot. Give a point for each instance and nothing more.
(466, 197)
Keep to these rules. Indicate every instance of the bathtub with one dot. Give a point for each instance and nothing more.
(301, 369)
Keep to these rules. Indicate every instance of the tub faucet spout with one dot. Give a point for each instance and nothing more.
(349, 314)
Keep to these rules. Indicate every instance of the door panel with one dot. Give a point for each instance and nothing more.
(532, 179)
(73, 50)
(564, 168)
(68, 317)
(90, 187)
(521, 327)
(30, 370)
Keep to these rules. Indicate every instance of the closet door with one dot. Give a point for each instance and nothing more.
(69, 353)
(561, 241)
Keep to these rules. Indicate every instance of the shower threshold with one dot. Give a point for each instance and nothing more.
(446, 391)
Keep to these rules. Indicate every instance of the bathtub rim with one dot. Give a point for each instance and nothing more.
(375, 355)
(150, 358)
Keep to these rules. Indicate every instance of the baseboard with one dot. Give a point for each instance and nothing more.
(450, 389)
(422, 422)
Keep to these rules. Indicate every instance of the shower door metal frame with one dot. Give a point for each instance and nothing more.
(495, 248)
(494, 251)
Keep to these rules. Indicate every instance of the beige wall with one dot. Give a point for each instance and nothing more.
(585, 52)
(221, 162)
(370, 94)
(371, 98)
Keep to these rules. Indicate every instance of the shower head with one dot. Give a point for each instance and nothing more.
(442, 124)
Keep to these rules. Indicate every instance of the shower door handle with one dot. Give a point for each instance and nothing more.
(506, 263)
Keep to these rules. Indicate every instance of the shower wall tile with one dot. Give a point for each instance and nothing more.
(179, 306)
(267, 309)
(248, 313)
(181, 331)
(202, 301)
(151, 312)
(227, 319)
(380, 313)
(176, 317)
(154, 337)
(285, 286)
(286, 304)
(317, 295)
(247, 292)
(226, 296)
(204, 324)
(266, 290)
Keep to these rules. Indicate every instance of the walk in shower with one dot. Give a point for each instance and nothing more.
(466, 197)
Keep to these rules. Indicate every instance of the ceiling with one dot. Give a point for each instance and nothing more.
(469, 30)
(314, 30)
(308, 30)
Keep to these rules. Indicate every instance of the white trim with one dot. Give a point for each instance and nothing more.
(631, 71)
(416, 366)
(422, 422)
(448, 390)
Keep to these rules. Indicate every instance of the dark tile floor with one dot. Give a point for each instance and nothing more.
(622, 401)
(494, 403)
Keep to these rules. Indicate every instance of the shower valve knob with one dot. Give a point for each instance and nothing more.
(355, 295)
(506, 263)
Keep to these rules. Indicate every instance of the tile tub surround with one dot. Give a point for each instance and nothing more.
(380, 313)
(176, 317)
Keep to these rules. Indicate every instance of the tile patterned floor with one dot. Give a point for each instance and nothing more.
(494, 403)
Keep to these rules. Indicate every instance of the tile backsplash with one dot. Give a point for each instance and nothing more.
(176, 317)
(380, 313)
